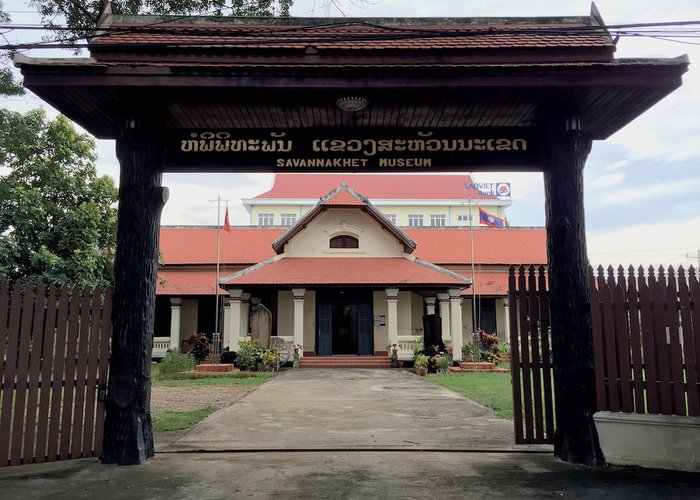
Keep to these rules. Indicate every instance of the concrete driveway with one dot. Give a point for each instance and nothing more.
(320, 409)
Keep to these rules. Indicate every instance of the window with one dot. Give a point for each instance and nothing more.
(464, 218)
(391, 218)
(437, 220)
(415, 220)
(289, 219)
(266, 219)
(345, 241)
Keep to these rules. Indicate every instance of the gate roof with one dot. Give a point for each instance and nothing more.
(233, 73)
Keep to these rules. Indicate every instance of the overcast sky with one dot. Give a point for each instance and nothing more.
(642, 185)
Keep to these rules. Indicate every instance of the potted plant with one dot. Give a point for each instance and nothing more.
(442, 363)
(420, 364)
(268, 359)
(467, 352)
(504, 351)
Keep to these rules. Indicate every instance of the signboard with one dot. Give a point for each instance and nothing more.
(499, 189)
(352, 149)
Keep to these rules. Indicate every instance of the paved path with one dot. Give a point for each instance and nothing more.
(349, 409)
(351, 417)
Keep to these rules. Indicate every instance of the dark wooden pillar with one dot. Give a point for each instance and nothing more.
(128, 437)
(576, 438)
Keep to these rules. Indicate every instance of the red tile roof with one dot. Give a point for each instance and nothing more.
(374, 186)
(197, 245)
(352, 271)
(491, 246)
(187, 283)
(442, 246)
(343, 198)
(361, 35)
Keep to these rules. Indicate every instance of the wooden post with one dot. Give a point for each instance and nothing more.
(128, 435)
(567, 147)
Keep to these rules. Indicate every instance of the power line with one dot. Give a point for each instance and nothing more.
(386, 33)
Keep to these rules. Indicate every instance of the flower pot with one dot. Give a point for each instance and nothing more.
(421, 370)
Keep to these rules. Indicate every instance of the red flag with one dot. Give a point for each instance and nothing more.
(227, 224)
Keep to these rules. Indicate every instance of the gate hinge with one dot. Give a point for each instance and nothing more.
(102, 392)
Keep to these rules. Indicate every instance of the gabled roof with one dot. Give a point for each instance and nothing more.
(350, 271)
(374, 186)
(325, 34)
(343, 197)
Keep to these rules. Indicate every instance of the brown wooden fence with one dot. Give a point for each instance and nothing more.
(646, 336)
(531, 358)
(646, 339)
(54, 345)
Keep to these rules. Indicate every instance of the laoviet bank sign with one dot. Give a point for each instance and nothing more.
(356, 149)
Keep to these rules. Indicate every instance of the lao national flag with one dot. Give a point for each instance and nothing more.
(491, 220)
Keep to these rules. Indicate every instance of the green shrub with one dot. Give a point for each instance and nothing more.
(249, 355)
(420, 361)
(175, 362)
(442, 363)
(201, 347)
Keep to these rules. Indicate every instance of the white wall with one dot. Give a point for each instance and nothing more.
(314, 240)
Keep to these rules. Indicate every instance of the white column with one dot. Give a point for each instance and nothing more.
(175, 322)
(456, 319)
(245, 314)
(226, 330)
(506, 309)
(235, 329)
(298, 294)
(392, 317)
(430, 305)
(444, 303)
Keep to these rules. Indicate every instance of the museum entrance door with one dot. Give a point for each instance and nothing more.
(344, 323)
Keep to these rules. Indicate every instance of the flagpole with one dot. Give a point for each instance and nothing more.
(475, 338)
(216, 287)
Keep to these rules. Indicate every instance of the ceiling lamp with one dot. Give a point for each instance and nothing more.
(352, 104)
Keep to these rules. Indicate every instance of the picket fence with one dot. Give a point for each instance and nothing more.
(54, 345)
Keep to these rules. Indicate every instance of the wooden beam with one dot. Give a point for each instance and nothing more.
(128, 436)
(566, 150)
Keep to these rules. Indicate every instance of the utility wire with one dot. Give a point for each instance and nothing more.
(285, 35)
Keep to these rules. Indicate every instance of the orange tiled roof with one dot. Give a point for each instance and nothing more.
(491, 246)
(357, 271)
(344, 198)
(361, 35)
(375, 186)
(442, 246)
(197, 245)
(187, 283)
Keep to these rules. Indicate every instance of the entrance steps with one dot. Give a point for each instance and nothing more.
(345, 362)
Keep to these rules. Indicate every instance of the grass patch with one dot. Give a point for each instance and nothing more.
(492, 390)
(180, 420)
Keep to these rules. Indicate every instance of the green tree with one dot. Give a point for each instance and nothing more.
(57, 217)
(82, 17)
(8, 84)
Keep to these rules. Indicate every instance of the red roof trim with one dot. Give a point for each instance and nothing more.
(348, 271)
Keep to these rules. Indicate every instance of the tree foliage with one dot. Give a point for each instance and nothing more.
(57, 217)
(8, 83)
(81, 18)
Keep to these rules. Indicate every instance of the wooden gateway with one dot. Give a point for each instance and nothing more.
(361, 95)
